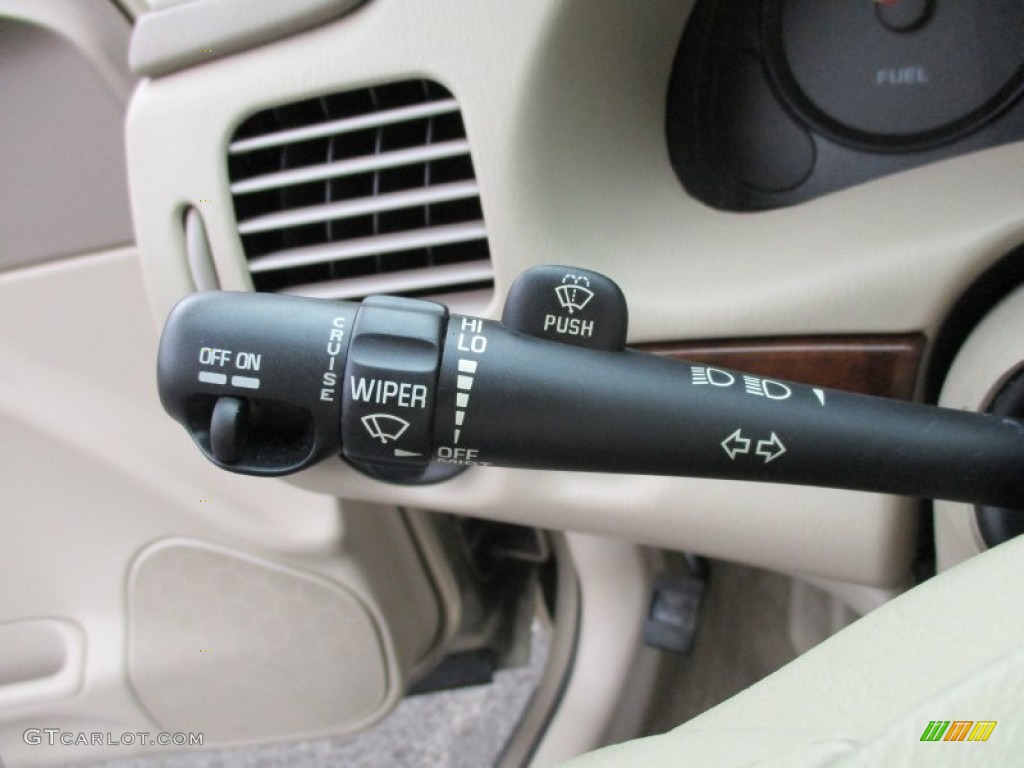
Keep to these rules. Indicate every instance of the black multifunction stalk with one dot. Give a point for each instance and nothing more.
(268, 385)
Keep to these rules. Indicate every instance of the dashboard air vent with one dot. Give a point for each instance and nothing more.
(362, 192)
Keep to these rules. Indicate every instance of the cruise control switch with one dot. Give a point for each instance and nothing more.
(268, 385)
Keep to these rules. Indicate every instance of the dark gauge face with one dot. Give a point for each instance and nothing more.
(898, 73)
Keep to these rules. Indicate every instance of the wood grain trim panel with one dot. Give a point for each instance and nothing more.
(886, 366)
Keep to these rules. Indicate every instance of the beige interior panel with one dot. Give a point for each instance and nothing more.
(92, 472)
(992, 353)
(62, 165)
(615, 581)
(840, 535)
(179, 35)
(567, 138)
(947, 649)
(94, 27)
(40, 659)
(239, 648)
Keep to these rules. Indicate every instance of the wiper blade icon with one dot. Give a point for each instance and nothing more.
(384, 426)
(574, 293)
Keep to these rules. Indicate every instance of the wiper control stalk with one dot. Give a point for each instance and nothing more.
(268, 385)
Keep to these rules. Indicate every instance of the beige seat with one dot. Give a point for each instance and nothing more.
(951, 649)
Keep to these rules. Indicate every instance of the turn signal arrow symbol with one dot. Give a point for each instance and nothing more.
(771, 448)
(736, 444)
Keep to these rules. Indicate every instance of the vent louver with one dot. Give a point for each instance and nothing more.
(363, 192)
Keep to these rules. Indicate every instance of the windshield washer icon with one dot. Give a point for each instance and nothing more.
(574, 293)
(384, 426)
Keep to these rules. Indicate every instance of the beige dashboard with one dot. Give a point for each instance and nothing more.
(567, 137)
